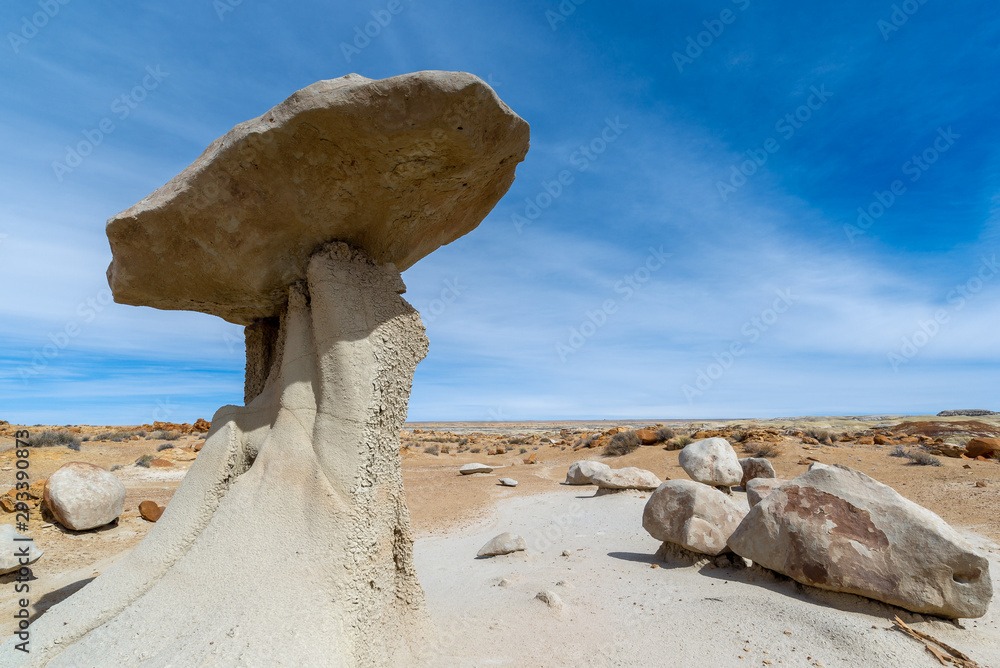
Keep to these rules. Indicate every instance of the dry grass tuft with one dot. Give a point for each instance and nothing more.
(622, 443)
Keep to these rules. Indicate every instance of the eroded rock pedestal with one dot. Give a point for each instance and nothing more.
(288, 542)
(289, 536)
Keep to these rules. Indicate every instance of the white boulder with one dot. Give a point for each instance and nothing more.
(626, 478)
(469, 469)
(13, 548)
(580, 473)
(84, 496)
(712, 461)
(505, 543)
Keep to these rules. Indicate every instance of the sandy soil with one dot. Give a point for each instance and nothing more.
(618, 609)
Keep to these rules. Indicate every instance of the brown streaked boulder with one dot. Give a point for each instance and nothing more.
(835, 528)
(697, 517)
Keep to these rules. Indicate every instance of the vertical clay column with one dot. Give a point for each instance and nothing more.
(261, 341)
(368, 342)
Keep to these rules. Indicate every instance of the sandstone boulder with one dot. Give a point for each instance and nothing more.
(835, 528)
(647, 436)
(12, 546)
(692, 515)
(150, 510)
(626, 478)
(469, 469)
(759, 488)
(84, 496)
(755, 467)
(983, 447)
(581, 473)
(505, 543)
(712, 461)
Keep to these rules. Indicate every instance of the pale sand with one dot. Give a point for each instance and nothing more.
(621, 612)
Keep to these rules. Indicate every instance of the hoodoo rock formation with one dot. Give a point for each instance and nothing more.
(288, 542)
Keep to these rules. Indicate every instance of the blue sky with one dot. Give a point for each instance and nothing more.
(704, 256)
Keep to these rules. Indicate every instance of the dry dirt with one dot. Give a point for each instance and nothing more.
(442, 501)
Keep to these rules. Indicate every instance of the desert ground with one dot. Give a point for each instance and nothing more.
(619, 602)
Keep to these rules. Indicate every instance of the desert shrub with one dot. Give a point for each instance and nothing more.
(821, 435)
(142, 433)
(144, 461)
(85, 439)
(445, 450)
(74, 446)
(678, 442)
(48, 439)
(116, 467)
(622, 443)
(441, 438)
(116, 436)
(665, 433)
(476, 451)
(463, 442)
(899, 451)
(522, 450)
(163, 446)
(762, 449)
(921, 458)
(432, 450)
(166, 435)
(518, 440)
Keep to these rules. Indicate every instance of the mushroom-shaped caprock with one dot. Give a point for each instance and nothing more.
(288, 542)
(395, 168)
